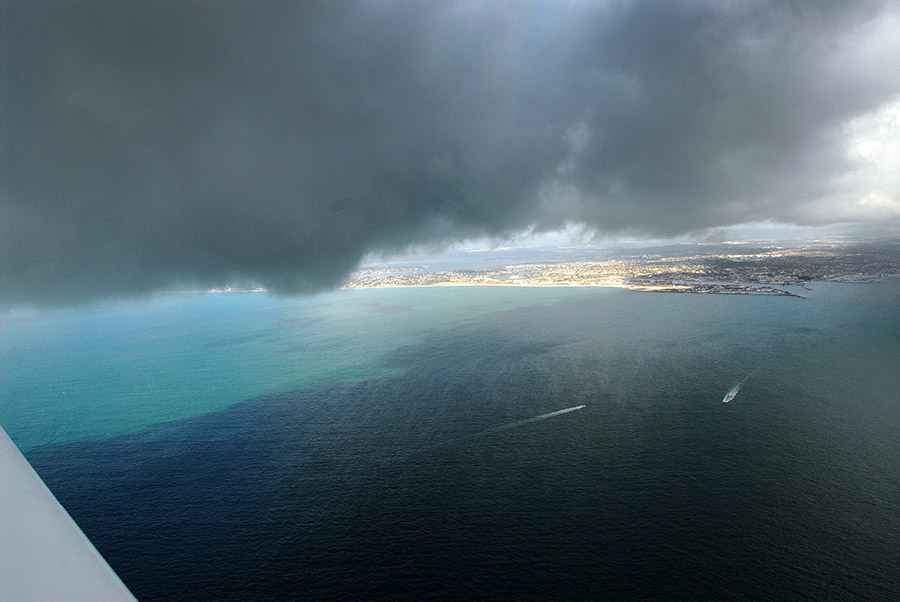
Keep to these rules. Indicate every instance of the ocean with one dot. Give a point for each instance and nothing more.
(461, 443)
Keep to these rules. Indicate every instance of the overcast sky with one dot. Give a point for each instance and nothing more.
(151, 145)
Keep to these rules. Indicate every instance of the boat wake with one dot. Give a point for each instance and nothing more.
(456, 441)
(535, 419)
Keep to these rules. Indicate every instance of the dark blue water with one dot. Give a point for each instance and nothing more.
(400, 486)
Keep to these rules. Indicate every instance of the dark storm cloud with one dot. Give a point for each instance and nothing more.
(153, 144)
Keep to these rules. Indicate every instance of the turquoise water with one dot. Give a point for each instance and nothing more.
(116, 368)
(409, 444)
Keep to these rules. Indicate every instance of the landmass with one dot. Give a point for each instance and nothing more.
(737, 268)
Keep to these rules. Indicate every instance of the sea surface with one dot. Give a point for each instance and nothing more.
(463, 443)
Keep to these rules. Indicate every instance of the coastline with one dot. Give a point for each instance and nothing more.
(731, 288)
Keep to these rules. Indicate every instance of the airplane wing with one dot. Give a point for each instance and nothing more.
(44, 556)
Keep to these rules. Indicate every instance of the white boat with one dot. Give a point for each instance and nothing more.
(731, 394)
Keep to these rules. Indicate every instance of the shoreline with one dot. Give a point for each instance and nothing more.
(695, 289)
(510, 285)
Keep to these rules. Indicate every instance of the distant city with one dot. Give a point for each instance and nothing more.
(724, 268)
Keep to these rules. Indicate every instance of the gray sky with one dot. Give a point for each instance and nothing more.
(151, 145)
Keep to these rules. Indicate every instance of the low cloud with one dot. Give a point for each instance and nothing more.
(150, 145)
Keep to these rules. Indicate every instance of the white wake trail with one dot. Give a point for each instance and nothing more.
(736, 389)
(455, 442)
(535, 419)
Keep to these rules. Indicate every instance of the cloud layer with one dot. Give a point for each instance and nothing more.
(149, 145)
